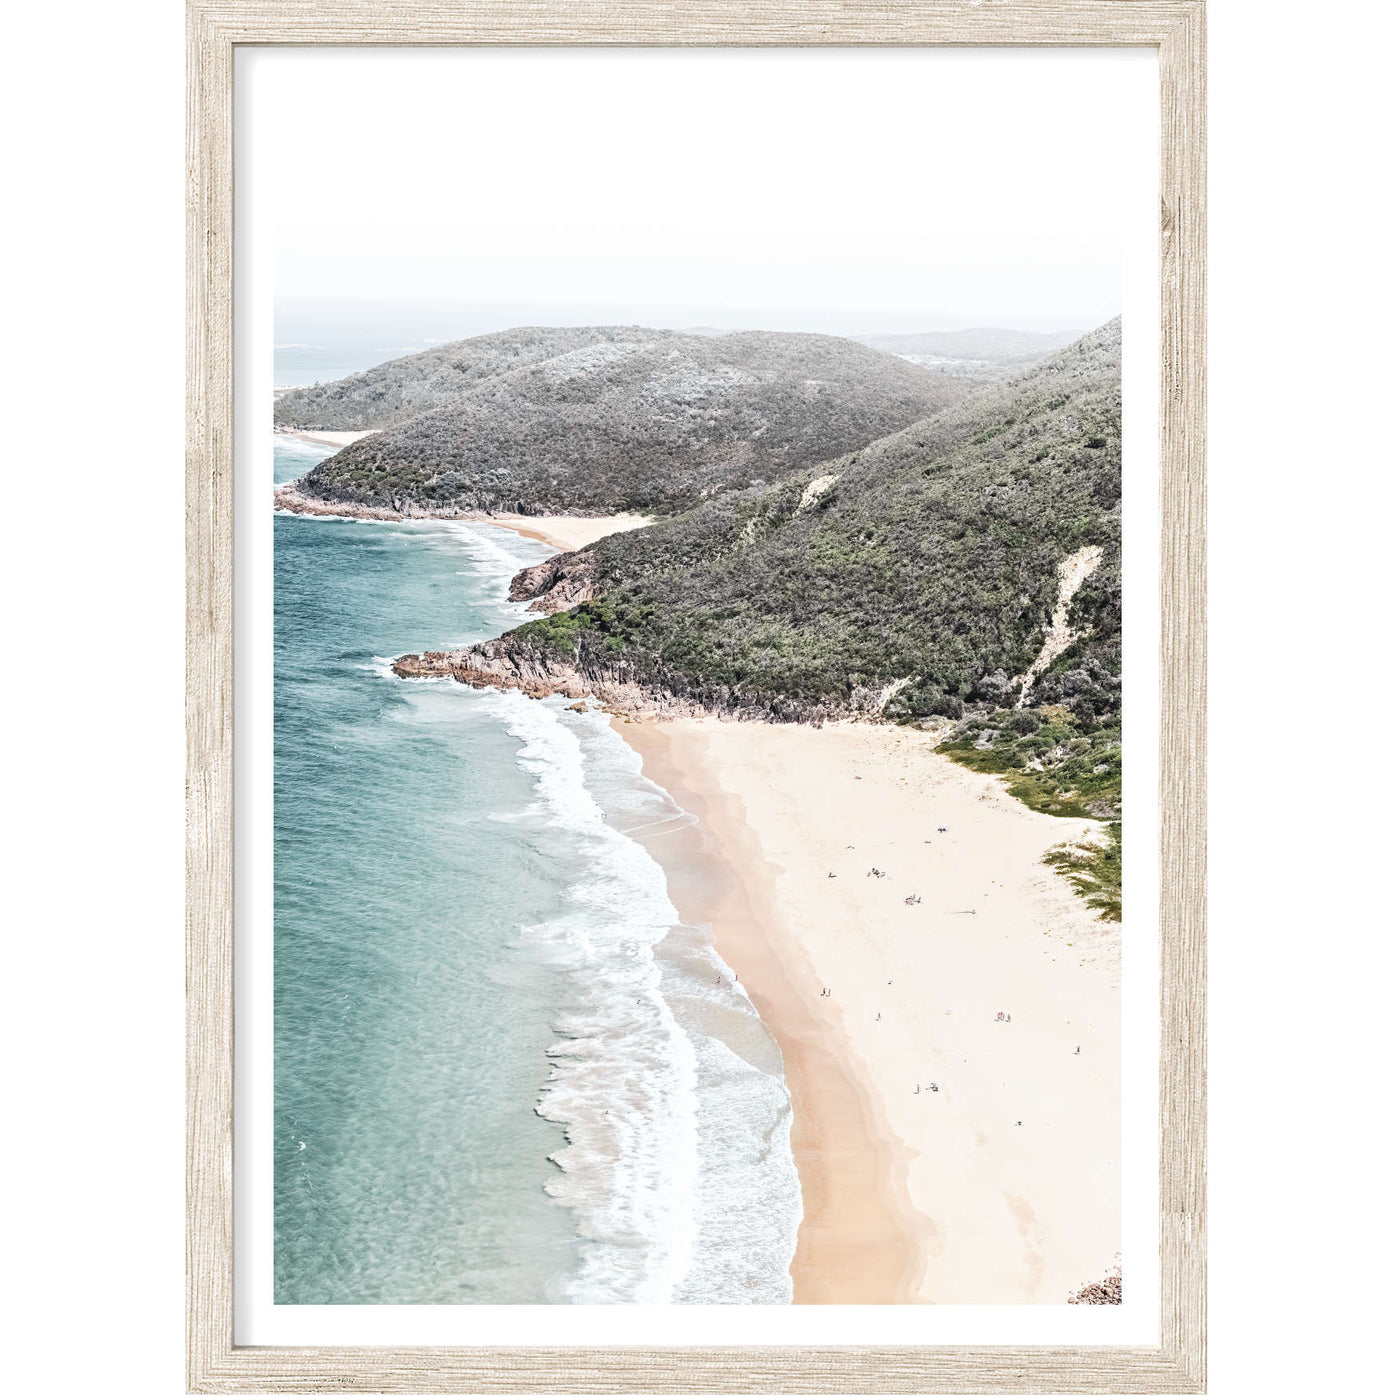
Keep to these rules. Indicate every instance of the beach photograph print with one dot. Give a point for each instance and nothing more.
(696, 697)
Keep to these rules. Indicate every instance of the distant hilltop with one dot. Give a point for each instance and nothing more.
(602, 419)
(401, 389)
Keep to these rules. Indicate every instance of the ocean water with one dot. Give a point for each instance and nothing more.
(505, 1072)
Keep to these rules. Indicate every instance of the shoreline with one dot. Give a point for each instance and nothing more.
(1001, 1186)
(856, 1240)
(324, 438)
(566, 533)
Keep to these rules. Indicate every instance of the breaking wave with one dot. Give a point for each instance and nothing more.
(670, 1093)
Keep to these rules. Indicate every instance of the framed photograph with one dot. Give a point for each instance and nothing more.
(696, 697)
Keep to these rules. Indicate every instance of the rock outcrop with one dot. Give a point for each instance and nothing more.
(499, 665)
(618, 684)
(562, 582)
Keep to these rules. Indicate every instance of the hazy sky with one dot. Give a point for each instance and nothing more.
(816, 189)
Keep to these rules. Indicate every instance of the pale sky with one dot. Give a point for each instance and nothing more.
(843, 190)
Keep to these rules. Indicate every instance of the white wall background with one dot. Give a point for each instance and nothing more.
(1303, 636)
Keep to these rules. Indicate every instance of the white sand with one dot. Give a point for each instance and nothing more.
(568, 532)
(326, 439)
(1006, 1179)
(562, 532)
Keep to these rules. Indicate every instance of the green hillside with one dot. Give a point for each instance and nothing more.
(915, 579)
(401, 389)
(638, 420)
(930, 560)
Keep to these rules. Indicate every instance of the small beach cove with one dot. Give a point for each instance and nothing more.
(560, 532)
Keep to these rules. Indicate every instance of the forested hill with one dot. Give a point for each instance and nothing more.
(401, 389)
(928, 561)
(655, 421)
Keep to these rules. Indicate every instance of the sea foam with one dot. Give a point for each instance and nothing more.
(678, 1167)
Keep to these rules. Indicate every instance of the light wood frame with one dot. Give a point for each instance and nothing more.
(1176, 28)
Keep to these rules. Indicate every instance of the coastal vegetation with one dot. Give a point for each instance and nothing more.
(401, 389)
(916, 584)
(839, 533)
(1095, 870)
(633, 420)
(1066, 763)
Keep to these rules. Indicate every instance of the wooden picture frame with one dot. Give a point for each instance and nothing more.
(1175, 28)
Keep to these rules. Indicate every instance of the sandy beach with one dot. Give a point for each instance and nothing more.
(1000, 1186)
(568, 532)
(562, 532)
(326, 438)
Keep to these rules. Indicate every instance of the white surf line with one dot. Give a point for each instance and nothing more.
(1073, 572)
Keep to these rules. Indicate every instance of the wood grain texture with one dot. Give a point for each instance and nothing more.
(214, 1365)
(209, 699)
(730, 23)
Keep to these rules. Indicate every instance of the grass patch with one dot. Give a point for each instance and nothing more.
(1063, 764)
(1095, 871)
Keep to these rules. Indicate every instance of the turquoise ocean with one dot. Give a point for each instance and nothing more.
(504, 1071)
